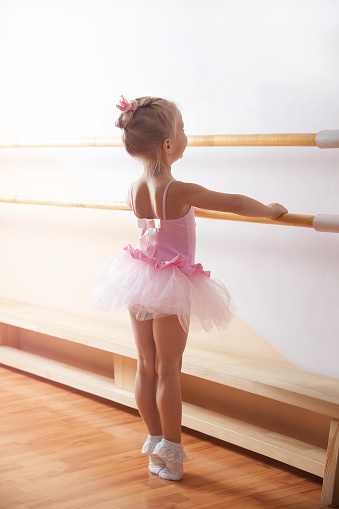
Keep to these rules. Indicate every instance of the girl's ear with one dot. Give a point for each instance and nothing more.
(167, 146)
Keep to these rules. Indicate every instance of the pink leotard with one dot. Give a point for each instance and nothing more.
(164, 239)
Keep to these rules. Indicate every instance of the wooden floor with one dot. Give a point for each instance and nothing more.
(62, 449)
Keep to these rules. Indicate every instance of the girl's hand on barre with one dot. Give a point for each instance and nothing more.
(277, 210)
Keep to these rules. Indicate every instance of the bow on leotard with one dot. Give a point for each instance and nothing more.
(147, 240)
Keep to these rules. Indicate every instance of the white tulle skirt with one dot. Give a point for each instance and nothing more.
(150, 288)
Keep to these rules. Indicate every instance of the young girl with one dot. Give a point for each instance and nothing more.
(161, 286)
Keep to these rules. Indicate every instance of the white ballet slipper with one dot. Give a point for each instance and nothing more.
(156, 464)
(174, 456)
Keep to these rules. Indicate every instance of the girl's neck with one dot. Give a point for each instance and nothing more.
(163, 173)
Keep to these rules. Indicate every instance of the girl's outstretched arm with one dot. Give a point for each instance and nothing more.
(198, 196)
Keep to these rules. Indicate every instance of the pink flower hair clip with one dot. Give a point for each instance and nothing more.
(125, 106)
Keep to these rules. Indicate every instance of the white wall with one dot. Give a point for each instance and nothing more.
(233, 67)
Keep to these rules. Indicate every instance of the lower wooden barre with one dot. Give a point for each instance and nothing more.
(27, 200)
(300, 220)
(305, 221)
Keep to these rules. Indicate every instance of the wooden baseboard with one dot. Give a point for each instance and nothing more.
(70, 376)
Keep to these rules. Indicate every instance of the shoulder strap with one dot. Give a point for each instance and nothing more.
(164, 199)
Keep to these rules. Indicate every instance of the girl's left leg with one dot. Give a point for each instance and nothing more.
(146, 380)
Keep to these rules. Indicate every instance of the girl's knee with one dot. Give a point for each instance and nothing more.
(168, 368)
(146, 367)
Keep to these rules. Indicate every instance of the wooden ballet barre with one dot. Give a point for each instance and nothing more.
(300, 220)
(64, 203)
(320, 222)
(253, 140)
(71, 142)
(324, 139)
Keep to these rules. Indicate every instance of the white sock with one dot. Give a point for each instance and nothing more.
(156, 464)
(174, 456)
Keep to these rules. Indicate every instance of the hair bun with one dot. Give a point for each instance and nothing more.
(144, 130)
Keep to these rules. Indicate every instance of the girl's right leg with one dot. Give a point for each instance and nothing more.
(170, 341)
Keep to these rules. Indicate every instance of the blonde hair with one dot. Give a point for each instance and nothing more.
(145, 129)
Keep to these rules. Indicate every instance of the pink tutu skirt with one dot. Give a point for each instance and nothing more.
(150, 288)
